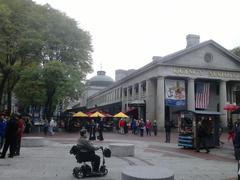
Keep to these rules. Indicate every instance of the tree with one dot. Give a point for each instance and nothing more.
(30, 88)
(19, 42)
(236, 51)
(31, 33)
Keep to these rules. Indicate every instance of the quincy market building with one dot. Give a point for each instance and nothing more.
(175, 82)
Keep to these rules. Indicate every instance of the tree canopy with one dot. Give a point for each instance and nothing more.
(44, 55)
(236, 51)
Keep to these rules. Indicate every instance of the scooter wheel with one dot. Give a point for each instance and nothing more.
(103, 170)
(78, 173)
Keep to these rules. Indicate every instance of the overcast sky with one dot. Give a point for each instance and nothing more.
(127, 33)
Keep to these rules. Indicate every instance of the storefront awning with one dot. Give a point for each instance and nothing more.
(199, 112)
(208, 112)
(136, 103)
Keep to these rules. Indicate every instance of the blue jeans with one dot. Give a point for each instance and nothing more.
(1, 141)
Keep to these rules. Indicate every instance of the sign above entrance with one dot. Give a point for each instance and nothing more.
(175, 92)
(205, 73)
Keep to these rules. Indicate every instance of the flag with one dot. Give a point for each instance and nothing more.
(202, 95)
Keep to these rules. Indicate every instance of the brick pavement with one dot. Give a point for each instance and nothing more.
(54, 162)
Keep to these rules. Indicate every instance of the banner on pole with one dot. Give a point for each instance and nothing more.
(175, 92)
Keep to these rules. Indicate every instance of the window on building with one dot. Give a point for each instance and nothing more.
(125, 92)
(130, 91)
(144, 86)
(237, 95)
(136, 88)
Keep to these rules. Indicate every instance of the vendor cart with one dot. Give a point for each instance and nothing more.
(188, 122)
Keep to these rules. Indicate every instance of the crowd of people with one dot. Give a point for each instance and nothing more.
(139, 127)
(11, 131)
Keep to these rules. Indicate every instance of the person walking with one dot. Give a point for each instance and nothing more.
(148, 127)
(45, 127)
(10, 138)
(21, 126)
(3, 124)
(154, 127)
(92, 130)
(28, 126)
(100, 130)
(236, 140)
(51, 126)
(168, 131)
(202, 135)
(122, 125)
(142, 127)
(134, 126)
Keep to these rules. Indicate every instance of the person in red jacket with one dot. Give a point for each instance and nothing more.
(21, 126)
(121, 125)
(148, 127)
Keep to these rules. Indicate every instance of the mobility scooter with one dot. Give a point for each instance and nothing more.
(86, 170)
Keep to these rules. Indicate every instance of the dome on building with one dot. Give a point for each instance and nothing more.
(100, 80)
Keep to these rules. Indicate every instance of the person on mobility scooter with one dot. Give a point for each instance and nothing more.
(85, 151)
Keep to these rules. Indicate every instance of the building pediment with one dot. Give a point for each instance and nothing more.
(208, 55)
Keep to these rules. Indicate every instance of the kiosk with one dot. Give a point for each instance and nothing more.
(188, 122)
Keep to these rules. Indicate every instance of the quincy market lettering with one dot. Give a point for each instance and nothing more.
(212, 74)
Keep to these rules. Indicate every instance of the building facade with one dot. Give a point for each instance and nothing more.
(203, 76)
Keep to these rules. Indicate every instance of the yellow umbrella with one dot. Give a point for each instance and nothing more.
(80, 114)
(121, 115)
(97, 114)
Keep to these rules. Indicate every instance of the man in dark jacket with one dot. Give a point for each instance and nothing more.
(21, 126)
(87, 146)
(3, 125)
(168, 131)
(202, 135)
(100, 130)
(10, 137)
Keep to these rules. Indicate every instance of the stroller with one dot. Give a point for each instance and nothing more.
(86, 170)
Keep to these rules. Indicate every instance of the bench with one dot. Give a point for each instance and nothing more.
(147, 173)
(122, 149)
(33, 142)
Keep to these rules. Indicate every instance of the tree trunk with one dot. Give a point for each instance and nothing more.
(9, 101)
(49, 103)
(2, 85)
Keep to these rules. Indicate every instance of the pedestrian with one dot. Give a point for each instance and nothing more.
(148, 127)
(21, 126)
(10, 137)
(121, 125)
(3, 124)
(168, 131)
(126, 126)
(92, 130)
(100, 130)
(142, 127)
(202, 135)
(134, 126)
(88, 150)
(51, 126)
(45, 127)
(237, 139)
(28, 126)
(154, 127)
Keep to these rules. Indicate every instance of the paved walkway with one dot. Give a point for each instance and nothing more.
(54, 161)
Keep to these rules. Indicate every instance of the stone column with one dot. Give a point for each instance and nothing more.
(127, 98)
(122, 98)
(139, 91)
(191, 95)
(160, 102)
(133, 93)
(223, 101)
(150, 99)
